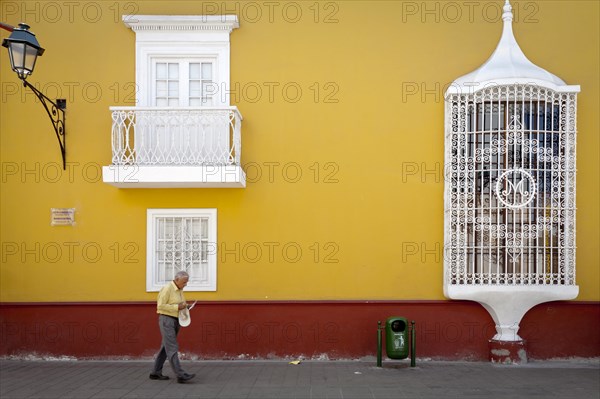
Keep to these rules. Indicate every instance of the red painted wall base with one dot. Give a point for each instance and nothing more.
(334, 330)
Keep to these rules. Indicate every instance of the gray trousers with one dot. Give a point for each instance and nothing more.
(169, 328)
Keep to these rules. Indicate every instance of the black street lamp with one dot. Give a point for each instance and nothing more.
(23, 50)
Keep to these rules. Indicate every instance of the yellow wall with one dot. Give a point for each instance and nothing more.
(372, 133)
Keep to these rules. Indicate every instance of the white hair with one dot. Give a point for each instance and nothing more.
(181, 274)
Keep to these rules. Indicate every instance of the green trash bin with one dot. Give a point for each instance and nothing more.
(396, 337)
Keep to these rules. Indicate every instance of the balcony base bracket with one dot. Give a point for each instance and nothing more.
(508, 304)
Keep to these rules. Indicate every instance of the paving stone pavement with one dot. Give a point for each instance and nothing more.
(81, 379)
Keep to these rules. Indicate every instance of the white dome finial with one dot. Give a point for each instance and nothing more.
(507, 15)
(508, 64)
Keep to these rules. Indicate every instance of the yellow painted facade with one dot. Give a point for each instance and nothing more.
(342, 143)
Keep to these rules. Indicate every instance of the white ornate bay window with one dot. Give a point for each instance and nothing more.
(181, 240)
(183, 131)
(510, 188)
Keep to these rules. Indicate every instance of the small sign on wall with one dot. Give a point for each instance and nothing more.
(62, 216)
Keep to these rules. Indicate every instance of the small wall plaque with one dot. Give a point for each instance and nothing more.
(62, 216)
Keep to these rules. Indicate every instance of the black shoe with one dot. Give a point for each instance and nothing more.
(158, 377)
(185, 377)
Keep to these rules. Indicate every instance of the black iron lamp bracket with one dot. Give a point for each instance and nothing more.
(56, 112)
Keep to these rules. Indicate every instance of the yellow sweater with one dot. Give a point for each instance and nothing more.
(169, 299)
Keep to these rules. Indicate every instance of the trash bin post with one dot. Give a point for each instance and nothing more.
(378, 343)
(413, 345)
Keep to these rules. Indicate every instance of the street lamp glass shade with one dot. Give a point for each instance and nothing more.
(23, 50)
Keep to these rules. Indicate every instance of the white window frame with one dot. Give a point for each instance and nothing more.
(152, 281)
(182, 37)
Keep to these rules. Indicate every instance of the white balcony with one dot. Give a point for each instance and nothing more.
(191, 147)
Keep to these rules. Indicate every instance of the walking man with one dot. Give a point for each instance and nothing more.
(170, 301)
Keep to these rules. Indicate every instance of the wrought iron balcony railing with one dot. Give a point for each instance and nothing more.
(190, 136)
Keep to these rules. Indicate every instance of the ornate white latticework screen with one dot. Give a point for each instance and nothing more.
(510, 188)
(182, 245)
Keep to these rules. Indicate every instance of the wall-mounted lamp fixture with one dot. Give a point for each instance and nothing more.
(23, 50)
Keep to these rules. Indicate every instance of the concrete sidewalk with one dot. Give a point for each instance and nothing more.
(310, 379)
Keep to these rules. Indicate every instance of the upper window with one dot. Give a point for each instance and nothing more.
(182, 240)
(183, 83)
(182, 60)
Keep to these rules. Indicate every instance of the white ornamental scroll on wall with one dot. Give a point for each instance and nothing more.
(509, 196)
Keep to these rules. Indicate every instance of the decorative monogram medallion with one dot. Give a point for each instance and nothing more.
(515, 188)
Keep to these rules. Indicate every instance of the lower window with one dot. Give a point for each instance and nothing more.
(182, 240)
